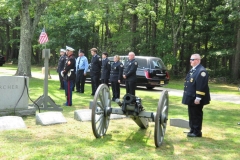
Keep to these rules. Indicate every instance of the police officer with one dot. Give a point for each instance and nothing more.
(81, 71)
(61, 64)
(106, 67)
(95, 70)
(69, 75)
(116, 77)
(196, 95)
(129, 73)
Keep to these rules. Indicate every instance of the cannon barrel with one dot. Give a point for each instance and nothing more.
(129, 99)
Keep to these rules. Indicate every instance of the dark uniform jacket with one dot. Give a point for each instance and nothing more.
(106, 67)
(96, 64)
(61, 63)
(196, 85)
(116, 71)
(69, 69)
(130, 69)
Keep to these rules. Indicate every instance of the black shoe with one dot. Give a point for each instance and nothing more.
(92, 94)
(113, 99)
(77, 91)
(61, 88)
(194, 135)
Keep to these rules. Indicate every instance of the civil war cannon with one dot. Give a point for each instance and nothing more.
(131, 106)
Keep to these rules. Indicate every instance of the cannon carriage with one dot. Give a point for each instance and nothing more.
(131, 106)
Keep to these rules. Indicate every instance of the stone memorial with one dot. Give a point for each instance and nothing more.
(13, 96)
(179, 123)
(11, 122)
(50, 118)
(85, 115)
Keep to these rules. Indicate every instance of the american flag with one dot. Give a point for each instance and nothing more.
(43, 38)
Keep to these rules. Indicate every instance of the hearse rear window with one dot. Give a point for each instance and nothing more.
(157, 64)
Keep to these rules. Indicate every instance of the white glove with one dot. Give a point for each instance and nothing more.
(62, 74)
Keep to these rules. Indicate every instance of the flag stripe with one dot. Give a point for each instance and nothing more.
(43, 38)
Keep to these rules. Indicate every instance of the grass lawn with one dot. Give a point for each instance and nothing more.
(124, 139)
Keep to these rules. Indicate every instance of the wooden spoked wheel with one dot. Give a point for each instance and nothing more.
(101, 111)
(161, 118)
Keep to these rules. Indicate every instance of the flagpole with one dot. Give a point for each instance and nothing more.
(44, 100)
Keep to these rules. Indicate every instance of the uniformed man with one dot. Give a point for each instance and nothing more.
(129, 73)
(106, 67)
(95, 70)
(61, 64)
(81, 71)
(69, 75)
(196, 95)
(116, 77)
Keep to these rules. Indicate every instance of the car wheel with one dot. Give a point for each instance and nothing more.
(149, 88)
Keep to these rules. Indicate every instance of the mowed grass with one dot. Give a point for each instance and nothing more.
(124, 139)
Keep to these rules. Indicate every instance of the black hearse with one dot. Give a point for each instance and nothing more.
(151, 71)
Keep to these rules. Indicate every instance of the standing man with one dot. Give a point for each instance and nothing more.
(106, 67)
(129, 73)
(116, 77)
(61, 64)
(69, 75)
(81, 71)
(196, 95)
(95, 70)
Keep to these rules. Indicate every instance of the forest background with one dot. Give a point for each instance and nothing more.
(169, 29)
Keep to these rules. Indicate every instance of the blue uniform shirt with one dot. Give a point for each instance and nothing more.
(82, 64)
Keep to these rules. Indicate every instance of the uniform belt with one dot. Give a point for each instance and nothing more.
(71, 69)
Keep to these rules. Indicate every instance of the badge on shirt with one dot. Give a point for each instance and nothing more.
(191, 80)
(121, 65)
(115, 67)
(203, 74)
(100, 59)
(108, 62)
(135, 63)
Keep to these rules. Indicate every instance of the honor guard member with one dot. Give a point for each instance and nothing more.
(116, 77)
(95, 70)
(61, 64)
(196, 95)
(69, 75)
(81, 71)
(106, 67)
(129, 73)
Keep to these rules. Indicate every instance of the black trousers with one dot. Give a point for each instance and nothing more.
(105, 81)
(95, 82)
(115, 89)
(195, 114)
(61, 80)
(130, 87)
(80, 81)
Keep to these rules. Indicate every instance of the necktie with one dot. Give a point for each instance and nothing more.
(78, 63)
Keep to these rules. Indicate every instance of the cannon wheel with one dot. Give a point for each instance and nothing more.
(161, 118)
(101, 111)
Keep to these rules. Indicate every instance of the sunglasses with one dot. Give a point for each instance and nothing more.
(191, 59)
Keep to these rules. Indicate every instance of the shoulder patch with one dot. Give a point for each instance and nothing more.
(121, 65)
(108, 62)
(135, 63)
(203, 74)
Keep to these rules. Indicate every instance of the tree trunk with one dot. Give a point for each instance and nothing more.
(28, 26)
(237, 56)
(24, 58)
